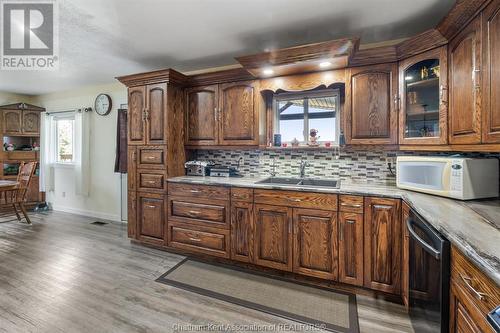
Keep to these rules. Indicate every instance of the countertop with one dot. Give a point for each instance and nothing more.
(471, 226)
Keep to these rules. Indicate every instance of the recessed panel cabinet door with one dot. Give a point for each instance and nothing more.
(273, 237)
(151, 215)
(491, 73)
(156, 112)
(465, 85)
(136, 116)
(315, 243)
(242, 230)
(31, 122)
(12, 122)
(201, 113)
(238, 116)
(351, 248)
(371, 105)
(382, 231)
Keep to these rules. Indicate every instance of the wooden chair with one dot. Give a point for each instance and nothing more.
(12, 199)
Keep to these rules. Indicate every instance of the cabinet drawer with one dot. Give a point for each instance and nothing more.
(242, 194)
(151, 180)
(151, 157)
(297, 199)
(21, 155)
(199, 191)
(210, 213)
(478, 287)
(351, 203)
(199, 239)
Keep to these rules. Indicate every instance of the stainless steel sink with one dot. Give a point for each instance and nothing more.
(280, 181)
(299, 182)
(320, 183)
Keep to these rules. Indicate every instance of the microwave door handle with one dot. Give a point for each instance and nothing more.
(435, 253)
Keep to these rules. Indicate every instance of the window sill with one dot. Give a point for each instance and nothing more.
(63, 165)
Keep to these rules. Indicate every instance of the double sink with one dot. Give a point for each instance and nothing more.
(301, 182)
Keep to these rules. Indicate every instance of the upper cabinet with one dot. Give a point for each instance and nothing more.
(371, 105)
(224, 114)
(147, 110)
(491, 73)
(21, 120)
(423, 92)
(465, 85)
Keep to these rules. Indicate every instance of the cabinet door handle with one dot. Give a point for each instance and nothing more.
(468, 282)
(443, 94)
(351, 205)
(341, 236)
(134, 156)
(351, 222)
(475, 78)
(396, 102)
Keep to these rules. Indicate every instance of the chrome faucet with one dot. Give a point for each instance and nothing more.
(303, 165)
(273, 170)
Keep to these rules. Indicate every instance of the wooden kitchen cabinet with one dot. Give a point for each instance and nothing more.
(351, 248)
(147, 114)
(371, 105)
(465, 107)
(31, 123)
(315, 247)
(242, 231)
(423, 86)
(151, 217)
(491, 73)
(224, 114)
(405, 260)
(273, 237)
(382, 244)
(201, 115)
(12, 122)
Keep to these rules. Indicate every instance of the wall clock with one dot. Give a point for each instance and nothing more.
(103, 104)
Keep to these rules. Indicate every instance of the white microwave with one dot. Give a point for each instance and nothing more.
(453, 177)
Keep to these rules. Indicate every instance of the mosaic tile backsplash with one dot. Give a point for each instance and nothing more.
(346, 164)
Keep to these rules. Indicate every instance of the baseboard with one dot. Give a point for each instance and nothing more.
(90, 213)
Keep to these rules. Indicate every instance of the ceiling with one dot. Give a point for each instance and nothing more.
(103, 39)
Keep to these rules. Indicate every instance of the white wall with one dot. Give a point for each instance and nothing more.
(104, 200)
(10, 98)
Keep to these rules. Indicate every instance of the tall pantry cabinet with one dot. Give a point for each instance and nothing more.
(155, 149)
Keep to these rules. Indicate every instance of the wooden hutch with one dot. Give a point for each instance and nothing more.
(20, 128)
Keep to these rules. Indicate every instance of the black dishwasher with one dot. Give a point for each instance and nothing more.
(429, 272)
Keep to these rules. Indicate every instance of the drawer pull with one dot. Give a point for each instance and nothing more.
(194, 239)
(150, 206)
(351, 205)
(151, 181)
(195, 212)
(468, 282)
(294, 200)
(195, 191)
(151, 157)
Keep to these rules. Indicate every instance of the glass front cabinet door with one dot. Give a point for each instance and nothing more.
(423, 104)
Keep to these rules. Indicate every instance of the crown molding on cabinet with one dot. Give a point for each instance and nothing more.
(160, 76)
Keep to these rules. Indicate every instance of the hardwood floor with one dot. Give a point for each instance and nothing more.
(63, 274)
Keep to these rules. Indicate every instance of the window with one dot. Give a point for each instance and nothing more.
(297, 113)
(64, 139)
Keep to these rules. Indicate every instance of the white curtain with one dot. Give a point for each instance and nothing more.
(82, 153)
(46, 152)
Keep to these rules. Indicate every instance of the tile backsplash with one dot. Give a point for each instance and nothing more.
(348, 164)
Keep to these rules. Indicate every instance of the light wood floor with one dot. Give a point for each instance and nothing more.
(63, 274)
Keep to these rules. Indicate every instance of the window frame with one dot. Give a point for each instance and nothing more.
(288, 96)
(55, 143)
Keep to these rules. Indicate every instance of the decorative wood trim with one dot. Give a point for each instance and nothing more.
(302, 82)
(375, 55)
(460, 15)
(22, 106)
(164, 75)
(303, 58)
(225, 76)
(425, 41)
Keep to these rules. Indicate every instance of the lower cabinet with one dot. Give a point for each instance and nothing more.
(315, 247)
(151, 217)
(382, 248)
(273, 237)
(351, 248)
(242, 231)
(211, 241)
(464, 317)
